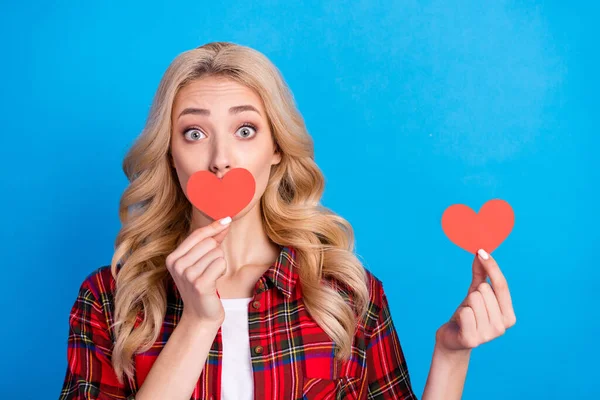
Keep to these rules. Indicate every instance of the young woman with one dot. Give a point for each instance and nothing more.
(277, 305)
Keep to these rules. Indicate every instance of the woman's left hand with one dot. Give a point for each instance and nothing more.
(486, 312)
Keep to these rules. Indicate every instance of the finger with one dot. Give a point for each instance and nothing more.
(475, 301)
(195, 237)
(202, 247)
(465, 319)
(479, 274)
(496, 325)
(193, 272)
(500, 287)
(199, 250)
(214, 271)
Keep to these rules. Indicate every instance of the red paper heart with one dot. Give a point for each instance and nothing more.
(484, 230)
(219, 198)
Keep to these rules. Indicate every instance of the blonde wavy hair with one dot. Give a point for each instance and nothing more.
(156, 215)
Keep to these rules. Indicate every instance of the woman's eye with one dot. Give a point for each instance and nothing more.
(195, 134)
(247, 131)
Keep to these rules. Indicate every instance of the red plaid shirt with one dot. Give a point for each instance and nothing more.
(292, 357)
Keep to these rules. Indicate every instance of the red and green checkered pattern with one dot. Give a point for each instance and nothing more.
(292, 357)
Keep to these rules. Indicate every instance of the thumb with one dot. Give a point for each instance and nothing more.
(479, 274)
(219, 237)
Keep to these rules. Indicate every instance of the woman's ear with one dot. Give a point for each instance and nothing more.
(276, 157)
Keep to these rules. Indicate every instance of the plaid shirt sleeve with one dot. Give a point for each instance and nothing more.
(89, 372)
(387, 370)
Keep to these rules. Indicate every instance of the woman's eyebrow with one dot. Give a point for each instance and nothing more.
(232, 110)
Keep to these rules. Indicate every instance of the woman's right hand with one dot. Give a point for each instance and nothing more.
(195, 266)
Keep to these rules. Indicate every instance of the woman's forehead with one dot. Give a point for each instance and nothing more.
(218, 94)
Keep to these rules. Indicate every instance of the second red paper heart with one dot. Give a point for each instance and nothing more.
(484, 230)
(219, 198)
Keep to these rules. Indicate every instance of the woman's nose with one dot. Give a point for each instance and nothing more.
(219, 169)
(220, 162)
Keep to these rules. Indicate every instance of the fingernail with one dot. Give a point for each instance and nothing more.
(483, 254)
(225, 221)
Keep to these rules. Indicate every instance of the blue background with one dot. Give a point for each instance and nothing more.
(425, 103)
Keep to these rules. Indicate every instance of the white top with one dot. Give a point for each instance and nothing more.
(237, 380)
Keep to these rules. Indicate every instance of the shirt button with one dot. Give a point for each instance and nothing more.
(258, 349)
(256, 304)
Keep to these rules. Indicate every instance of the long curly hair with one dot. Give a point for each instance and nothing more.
(156, 215)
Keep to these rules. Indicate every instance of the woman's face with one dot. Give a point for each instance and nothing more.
(219, 124)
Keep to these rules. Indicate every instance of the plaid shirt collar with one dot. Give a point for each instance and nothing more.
(283, 273)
